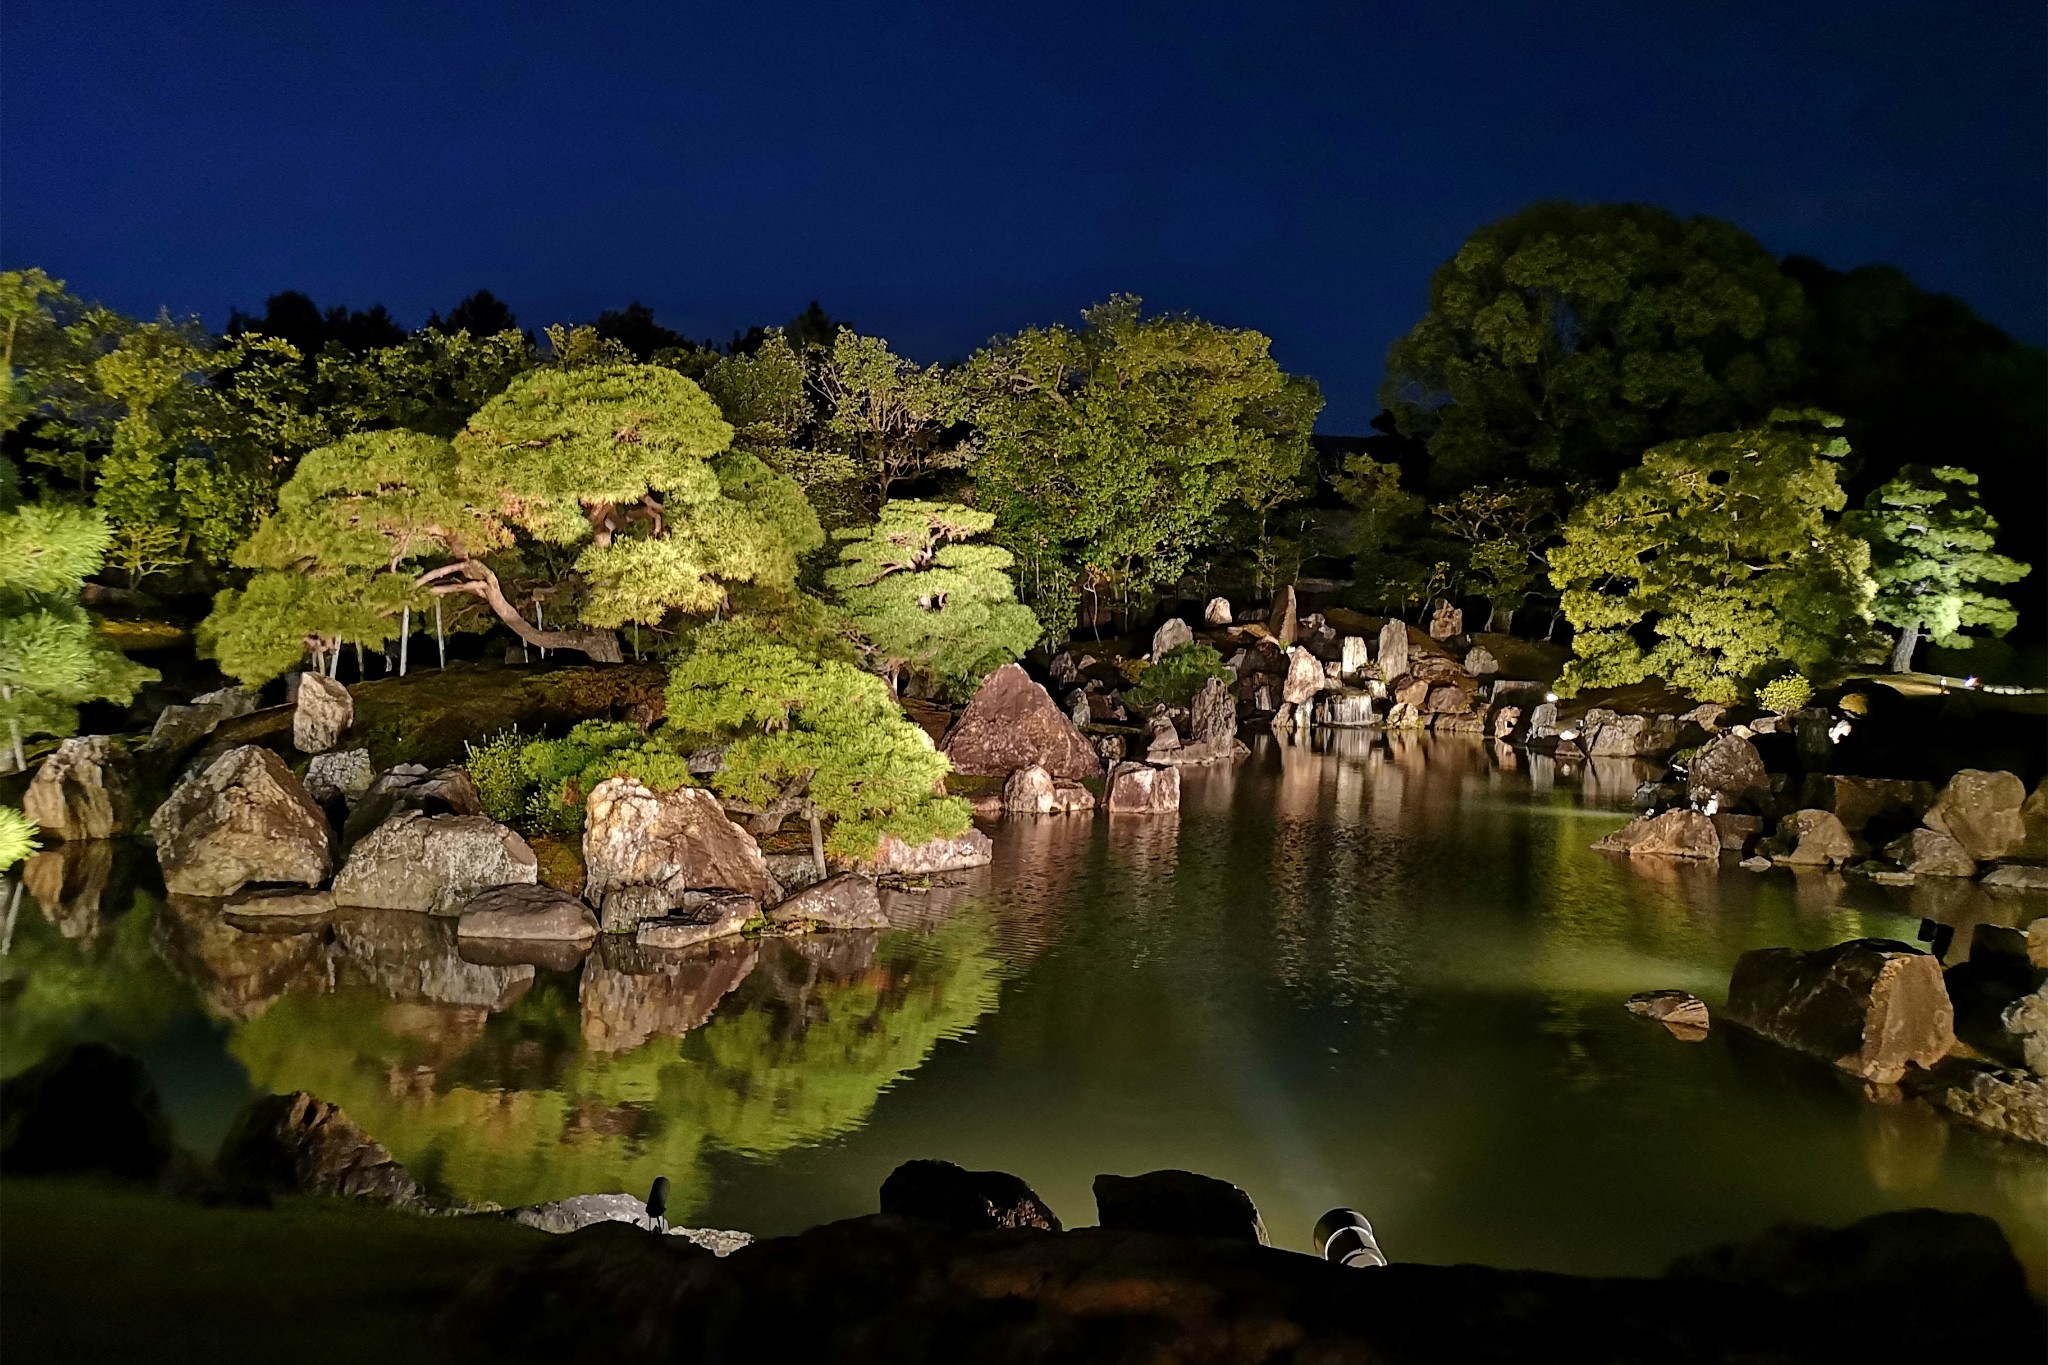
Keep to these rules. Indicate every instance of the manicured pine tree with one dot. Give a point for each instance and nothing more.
(1931, 553)
(51, 658)
(924, 598)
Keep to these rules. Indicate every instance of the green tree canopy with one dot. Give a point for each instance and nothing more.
(923, 597)
(51, 658)
(1384, 569)
(1563, 341)
(1108, 453)
(1931, 546)
(1503, 528)
(1714, 562)
(817, 726)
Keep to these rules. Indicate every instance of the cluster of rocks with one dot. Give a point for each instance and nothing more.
(1971, 1040)
(1725, 799)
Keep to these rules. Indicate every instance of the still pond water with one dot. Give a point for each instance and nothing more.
(1388, 975)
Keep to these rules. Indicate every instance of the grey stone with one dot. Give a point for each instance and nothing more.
(1928, 853)
(1729, 771)
(1173, 634)
(324, 713)
(434, 864)
(1141, 789)
(1393, 650)
(1217, 613)
(846, 901)
(342, 777)
(2017, 877)
(676, 841)
(1479, 661)
(715, 917)
(1981, 811)
(1304, 677)
(895, 857)
(527, 912)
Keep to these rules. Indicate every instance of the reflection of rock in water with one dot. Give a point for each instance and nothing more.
(550, 955)
(69, 884)
(630, 994)
(1612, 781)
(797, 973)
(238, 974)
(414, 957)
(1903, 1143)
(1963, 905)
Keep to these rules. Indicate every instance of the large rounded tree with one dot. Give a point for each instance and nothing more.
(1562, 342)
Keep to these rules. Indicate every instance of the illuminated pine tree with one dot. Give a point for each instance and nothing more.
(1931, 553)
(51, 658)
(925, 599)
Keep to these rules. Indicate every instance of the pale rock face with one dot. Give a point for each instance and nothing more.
(1353, 658)
(893, 856)
(1814, 838)
(433, 864)
(82, 791)
(1140, 789)
(1217, 613)
(1982, 812)
(1674, 834)
(717, 917)
(1728, 767)
(343, 777)
(325, 711)
(1172, 635)
(675, 842)
(1393, 650)
(1160, 736)
(1479, 661)
(1872, 1007)
(1213, 714)
(1446, 622)
(244, 819)
(1929, 853)
(845, 901)
(1304, 677)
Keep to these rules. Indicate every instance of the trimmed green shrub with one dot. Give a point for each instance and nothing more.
(1179, 674)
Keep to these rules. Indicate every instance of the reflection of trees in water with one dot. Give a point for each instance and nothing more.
(58, 986)
(788, 1042)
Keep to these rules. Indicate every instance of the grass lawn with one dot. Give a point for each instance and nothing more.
(92, 1273)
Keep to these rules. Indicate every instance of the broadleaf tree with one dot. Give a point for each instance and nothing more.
(1715, 563)
(1565, 340)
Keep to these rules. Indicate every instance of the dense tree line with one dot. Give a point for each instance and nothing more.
(1645, 425)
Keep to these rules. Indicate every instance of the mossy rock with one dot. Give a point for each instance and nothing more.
(561, 862)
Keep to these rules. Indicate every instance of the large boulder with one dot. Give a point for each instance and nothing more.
(1981, 811)
(845, 901)
(83, 791)
(1034, 791)
(339, 780)
(1446, 622)
(1730, 772)
(178, 728)
(1674, 834)
(528, 912)
(962, 1200)
(1393, 650)
(1304, 679)
(1871, 1006)
(1141, 789)
(243, 819)
(2005, 1100)
(1213, 715)
(1927, 853)
(894, 857)
(1217, 613)
(1606, 734)
(2034, 818)
(1353, 656)
(323, 714)
(299, 1143)
(434, 864)
(1882, 805)
(1813, 838)
(1171, 635)
(410, 786)
(1178, 1204)
(1012, 723)
(1283, 621)
(675, 842)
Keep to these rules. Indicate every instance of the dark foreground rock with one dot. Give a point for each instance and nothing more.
(1178, 1204)
(1900, 1286)
(86, 1110)
(961, 1200)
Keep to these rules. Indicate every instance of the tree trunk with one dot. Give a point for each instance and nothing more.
(404, 640)
(1902, 653)
(817, 838)
(599, 646)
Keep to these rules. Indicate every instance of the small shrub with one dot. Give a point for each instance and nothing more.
(1180, 673)
(496, 768)
(1786, 694)
(541, 784)
(17, 837)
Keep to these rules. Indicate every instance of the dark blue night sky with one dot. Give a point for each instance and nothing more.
(940, 173)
